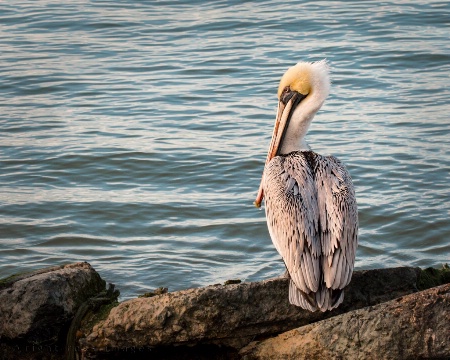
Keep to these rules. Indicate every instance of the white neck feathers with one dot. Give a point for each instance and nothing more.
(304, 113)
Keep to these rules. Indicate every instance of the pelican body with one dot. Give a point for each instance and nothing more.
(310, 201)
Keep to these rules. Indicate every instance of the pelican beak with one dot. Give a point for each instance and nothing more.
(286, 105)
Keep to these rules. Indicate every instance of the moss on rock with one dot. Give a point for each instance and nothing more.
(431, 277)
(95, 316)
(158, 291)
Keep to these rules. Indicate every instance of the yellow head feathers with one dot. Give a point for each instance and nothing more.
(300, 77)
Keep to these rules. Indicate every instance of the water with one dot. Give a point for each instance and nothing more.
(133, 134)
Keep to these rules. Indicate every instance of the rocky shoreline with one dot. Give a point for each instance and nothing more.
(66, 312)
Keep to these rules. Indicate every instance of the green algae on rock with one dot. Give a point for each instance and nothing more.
(431, 277)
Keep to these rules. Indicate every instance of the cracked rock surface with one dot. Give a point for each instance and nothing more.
(415, 326)
(232, 315)
(35, 307)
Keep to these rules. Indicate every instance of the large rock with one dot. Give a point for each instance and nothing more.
(230, 316)
(36, 308)
(415, 326)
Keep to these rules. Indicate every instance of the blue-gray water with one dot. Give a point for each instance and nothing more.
(133, 133)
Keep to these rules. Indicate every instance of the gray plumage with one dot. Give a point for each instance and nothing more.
(313, 222)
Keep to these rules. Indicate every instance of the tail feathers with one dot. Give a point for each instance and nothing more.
(324, 299)
(302, 299)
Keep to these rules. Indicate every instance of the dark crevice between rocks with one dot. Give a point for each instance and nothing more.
(181, 352)
(90, 312)
(26, 349)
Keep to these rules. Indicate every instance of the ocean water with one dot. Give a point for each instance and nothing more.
(133, 133)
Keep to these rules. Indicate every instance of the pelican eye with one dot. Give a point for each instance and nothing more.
(286, 95)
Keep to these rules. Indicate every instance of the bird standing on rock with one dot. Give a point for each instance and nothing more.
(310, 202)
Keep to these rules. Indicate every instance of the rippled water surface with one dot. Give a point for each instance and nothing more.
(133, 133)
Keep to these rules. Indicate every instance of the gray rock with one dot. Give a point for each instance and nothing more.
(230, 316)
(416, 326)
(36, 307)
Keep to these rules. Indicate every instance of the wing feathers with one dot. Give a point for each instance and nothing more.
(299, 298)
(313, 222)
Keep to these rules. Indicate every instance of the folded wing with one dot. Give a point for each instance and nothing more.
(312, 219)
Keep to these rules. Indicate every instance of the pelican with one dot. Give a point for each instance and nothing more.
(309, 199)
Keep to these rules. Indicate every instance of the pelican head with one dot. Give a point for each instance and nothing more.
(302, 91)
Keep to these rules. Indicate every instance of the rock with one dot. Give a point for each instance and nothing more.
(230, 316)
(214, 322)
(431, 277)
(416, 326)
(36, 308)
(158, 291)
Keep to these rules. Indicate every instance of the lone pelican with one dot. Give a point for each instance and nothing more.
(309, 198)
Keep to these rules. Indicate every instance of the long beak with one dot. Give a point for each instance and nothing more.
(279, 130)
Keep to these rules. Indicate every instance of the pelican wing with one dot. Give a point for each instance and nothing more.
(312, 218)
(338, 221)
